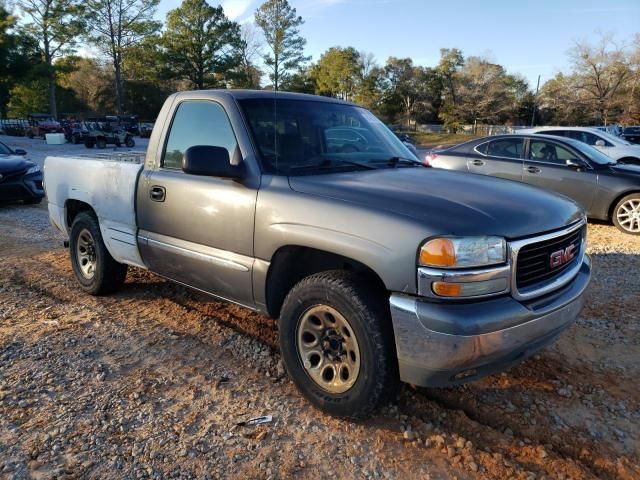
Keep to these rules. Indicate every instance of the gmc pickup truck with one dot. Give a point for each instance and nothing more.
(308, 209)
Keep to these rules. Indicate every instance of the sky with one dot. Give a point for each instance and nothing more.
(527, 37)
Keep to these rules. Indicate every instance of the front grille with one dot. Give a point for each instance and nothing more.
(535, 259)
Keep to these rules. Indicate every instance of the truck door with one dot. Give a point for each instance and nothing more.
(546, 167)
(194, 229)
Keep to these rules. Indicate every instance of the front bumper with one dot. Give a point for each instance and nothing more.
(444, 344)
(22, 188)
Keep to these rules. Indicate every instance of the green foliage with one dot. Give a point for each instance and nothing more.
(202, 44)
(57, 25)
(337, 73)
(281, 28)
(28, 98)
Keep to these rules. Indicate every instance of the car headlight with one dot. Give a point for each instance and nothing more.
(463, 252)
(34, 169)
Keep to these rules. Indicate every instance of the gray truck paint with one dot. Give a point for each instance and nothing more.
(220, 236)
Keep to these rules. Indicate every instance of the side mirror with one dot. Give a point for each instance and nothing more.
(210, 161)
(574, 164)
(600, 143)
(19, 151)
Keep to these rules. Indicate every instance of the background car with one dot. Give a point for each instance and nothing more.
(20, 179)
(631, 134)
(42, 123)
(607, 190)
(614, 130)
(145, 129)
(613, 147)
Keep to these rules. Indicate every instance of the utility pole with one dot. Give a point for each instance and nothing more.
(535, 102)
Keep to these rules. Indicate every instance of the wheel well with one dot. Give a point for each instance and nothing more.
(629, 160)
(290, 264)
(615, 201)
(73, 208)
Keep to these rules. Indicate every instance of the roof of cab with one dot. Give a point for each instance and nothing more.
(267, 94)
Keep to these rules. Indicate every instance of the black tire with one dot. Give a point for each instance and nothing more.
(130, 142)
(627, 202)
(101, 142)
(32, 201)
(108, 275)
(89, 143)
(367, 311)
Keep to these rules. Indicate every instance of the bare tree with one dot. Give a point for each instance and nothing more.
(599, 72)
(56, 24)
(116, 25)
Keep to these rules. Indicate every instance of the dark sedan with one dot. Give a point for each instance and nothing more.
(607, 190)
(631, 134)
(20, 179)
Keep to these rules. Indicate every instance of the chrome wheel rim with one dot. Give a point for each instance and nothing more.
(328, 349)
(628, 215)
(86, 253)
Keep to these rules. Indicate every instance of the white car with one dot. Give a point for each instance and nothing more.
(614, 147)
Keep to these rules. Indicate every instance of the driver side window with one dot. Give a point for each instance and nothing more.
(197, 122)
(549, 152)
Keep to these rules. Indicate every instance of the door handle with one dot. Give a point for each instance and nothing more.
(532, 169)
(477, 163)
(157, 193)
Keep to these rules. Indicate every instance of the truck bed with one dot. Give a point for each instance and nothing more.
(106, 182)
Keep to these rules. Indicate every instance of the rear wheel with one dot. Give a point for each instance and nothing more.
(101, 142)
(626, 214)
(337, 343)
(129, 142)
(95, 269)
(89, 143)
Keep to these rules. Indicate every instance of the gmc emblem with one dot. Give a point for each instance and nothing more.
(562, 256)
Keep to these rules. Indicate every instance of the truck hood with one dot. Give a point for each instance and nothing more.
(13, 163)
(450, 203)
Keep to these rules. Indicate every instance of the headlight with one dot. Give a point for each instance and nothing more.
(34, 169)
(465, 252)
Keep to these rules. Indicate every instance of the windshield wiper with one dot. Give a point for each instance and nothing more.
(395, 161)
(332, 163)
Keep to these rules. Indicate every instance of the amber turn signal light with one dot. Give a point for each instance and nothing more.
(445, 289)
(438, 252)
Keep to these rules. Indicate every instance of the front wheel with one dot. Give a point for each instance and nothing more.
(95, 269)
(101, 142)
(626, 214)
(129, 142)
(337, 343)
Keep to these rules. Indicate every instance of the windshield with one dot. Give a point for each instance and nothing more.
(593, 154)
(612, 138)
(4, 150)
(301, 136)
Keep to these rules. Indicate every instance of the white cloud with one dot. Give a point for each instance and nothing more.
(236, 8)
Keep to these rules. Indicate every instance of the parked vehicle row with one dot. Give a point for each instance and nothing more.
(616, 148)
(608, 190)
(378, 268)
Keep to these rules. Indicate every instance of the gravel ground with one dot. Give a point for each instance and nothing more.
(150, 383)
